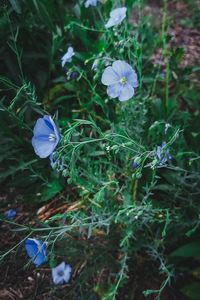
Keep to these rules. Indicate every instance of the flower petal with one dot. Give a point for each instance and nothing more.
(58, 279)
(67, 57)
(41, 127)
(132, 78)
(114, 90)
(126, 93)
(39, 259)
(67, 273)
(118, 12)
(116, 17)
(109, 76)
(110, 23)
(43, 148)
(52, 124)
(36, 250)
(49, 122)
(121, 68)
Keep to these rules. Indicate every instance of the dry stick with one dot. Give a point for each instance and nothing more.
(45, 215)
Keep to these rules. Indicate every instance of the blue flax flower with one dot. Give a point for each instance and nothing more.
(68, 56)
(162, 154)
(94, 65)
(62, 273)
(91, 2)
(10, 214)
(36, 250)
(56, 163)
(121, 80)
(45, 137)
(116, 17)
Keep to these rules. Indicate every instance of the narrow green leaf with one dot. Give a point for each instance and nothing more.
(188, 250)
(192, 291)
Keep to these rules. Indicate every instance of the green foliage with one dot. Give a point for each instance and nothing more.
(125, 220)
(191, 249)
(192, 291)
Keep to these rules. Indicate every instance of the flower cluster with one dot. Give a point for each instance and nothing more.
(36, 250)
(121, 80)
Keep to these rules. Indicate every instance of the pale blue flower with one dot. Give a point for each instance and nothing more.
(36, 250)
(91, 2)
(62, 273)
(162, 154)
(68, 56)
(116, 17)
(45, 137)
(10, 214)
(121, 80)
(56, 163)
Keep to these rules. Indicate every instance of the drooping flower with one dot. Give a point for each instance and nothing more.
(56, 163)
(162, 154)
(45, 136)
(74, 75)
(10, 214)
(121, 80)
(67, 57)
(135, 165)
(36, 250)
(62, 273)
(91, 2)
(94, 65)
(116, 17)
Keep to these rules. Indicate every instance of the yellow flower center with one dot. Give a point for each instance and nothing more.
(123, 80)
